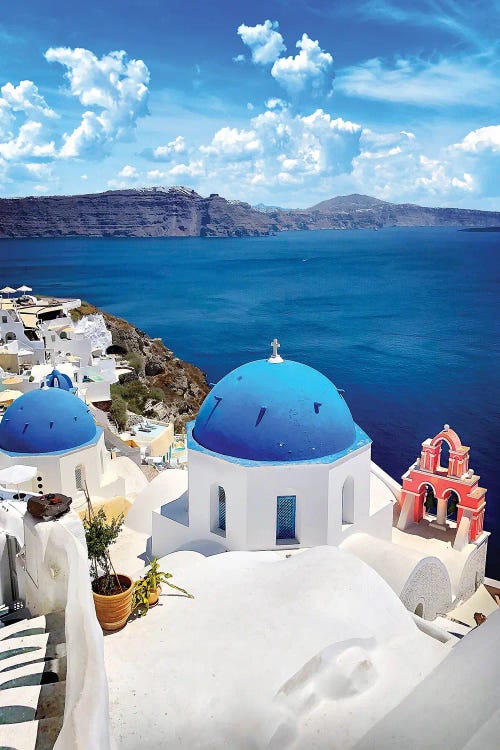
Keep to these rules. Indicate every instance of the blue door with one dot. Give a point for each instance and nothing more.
(285, 517)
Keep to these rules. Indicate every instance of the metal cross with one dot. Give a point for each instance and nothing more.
(276, 345)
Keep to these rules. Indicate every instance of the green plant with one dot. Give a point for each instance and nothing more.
(100, 534)
(135, 361)
(148, 584)
(157, 393)
(119, 411)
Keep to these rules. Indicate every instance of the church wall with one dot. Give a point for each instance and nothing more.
(308, 482)
(356, 466)
(206, 473)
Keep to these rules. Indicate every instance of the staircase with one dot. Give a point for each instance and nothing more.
(32, 682)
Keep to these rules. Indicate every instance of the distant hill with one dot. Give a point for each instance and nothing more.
(354, 202)
(181, 212)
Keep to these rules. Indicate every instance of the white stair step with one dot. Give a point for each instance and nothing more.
(33, 735)
(41, 640)
(39, 673)
(27, 696)
(52, 651)
(15, 627)
(19, 736)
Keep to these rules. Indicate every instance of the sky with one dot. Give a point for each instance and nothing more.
(286, 103)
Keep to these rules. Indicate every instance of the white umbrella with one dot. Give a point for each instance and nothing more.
(9, 395)
(17, 474)
(24, 288)
(7, 290)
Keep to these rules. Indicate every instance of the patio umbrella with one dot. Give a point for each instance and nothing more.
(9, 395)
(7, 290)
(24, 288)
(17, 474)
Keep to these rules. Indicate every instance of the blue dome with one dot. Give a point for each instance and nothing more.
(58, 379)
(266, 411)
(45, 421)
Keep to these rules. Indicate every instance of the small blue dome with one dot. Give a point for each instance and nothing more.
(46, 420)
(58, 379)
(267, 411)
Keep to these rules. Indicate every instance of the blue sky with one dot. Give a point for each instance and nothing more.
(285, 103)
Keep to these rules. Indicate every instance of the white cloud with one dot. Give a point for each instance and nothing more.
(264, 41)
(393, 167)
(114, 86)
(128, 172)
(278, 149)
(310, 68)
(239, 58)
(445, 81)
(482, 139)
(479, 153)
(26, 98)
(29, 142)
(462, 20)
(173, 148)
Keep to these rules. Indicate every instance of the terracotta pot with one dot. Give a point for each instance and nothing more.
(113, 611)
(153, 596)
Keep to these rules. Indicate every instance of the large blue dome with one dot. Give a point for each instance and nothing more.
(45, 421)
(274, 411)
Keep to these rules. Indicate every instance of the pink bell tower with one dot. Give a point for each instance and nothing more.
(454, 478)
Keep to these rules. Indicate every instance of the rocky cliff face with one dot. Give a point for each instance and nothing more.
(184, 385)
(177, 212)
(180, 212)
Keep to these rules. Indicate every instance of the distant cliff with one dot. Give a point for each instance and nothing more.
(181, 212)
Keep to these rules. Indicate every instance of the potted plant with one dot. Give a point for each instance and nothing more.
(112, 591)
(147, 589)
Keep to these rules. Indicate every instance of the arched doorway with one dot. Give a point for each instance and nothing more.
(419, 609)
(116, 349)
(452, 501)
(444, 455)
(430, 500)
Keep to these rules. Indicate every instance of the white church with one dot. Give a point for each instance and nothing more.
(52, 430)
(276, 462)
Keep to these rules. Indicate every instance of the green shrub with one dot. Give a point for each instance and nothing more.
(156, 393)
(119, 411)
(135, 361)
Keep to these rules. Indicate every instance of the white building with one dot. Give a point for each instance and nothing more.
(53, 430)
(276, 462)
(37, 335)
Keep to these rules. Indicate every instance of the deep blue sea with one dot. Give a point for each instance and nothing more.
(404, 320)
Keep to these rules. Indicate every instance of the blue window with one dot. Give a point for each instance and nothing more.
(222, 509)
(285, 517)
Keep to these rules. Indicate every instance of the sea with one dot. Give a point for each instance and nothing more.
(403, 320)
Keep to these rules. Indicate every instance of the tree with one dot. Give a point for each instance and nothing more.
(119, 411)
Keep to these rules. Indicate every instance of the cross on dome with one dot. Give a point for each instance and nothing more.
(275, 357)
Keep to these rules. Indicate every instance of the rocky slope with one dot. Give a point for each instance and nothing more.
(181, 212)
(184, 385)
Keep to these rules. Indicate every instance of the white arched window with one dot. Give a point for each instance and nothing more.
(222, 508)
(348, 501)
(218, 506)
(80, 477)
